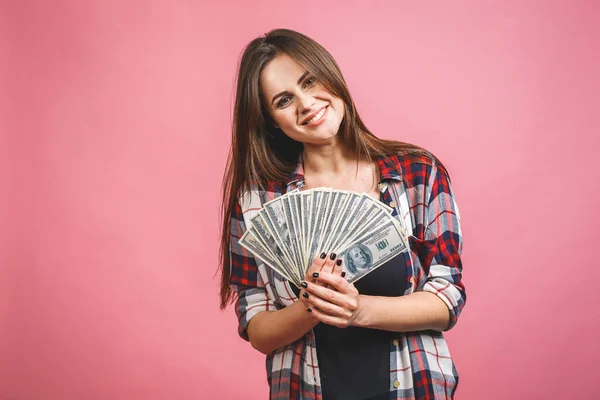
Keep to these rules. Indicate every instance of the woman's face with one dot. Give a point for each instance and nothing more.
(358, 257)
(298, 104)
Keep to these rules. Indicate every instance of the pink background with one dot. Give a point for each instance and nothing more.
(115, 120)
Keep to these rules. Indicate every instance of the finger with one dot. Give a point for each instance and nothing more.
(316, 265)
(305, 301)
(326, 307)
(329, 295)
(328, 319)
(337, 267)
(329, 263)
(336, 282)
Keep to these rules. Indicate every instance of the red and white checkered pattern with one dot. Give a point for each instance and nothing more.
(420, 363)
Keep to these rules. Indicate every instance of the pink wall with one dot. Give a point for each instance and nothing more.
(115, 121)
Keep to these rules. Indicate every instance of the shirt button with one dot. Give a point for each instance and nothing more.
(382, 187)
(396, 384)
(393, 204)
(396, 343)
(412, 280)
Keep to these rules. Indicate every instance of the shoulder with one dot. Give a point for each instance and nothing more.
(418, 168)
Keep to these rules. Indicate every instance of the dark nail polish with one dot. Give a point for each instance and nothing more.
(305, 295)
(332, 256)
(343, 274)
(315, 274)
(308, 309)
(304, 285)
(338, 262)
(323, 255)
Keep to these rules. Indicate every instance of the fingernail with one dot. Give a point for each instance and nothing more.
(338, 262)
(304, 285)
(332, 256)
(305, 295)
(308, 309)
(323, 255)
(343, 274)
(315, 274)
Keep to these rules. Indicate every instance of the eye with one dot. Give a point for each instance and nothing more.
(310, 81)
(281, 102)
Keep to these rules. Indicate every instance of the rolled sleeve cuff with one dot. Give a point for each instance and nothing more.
(250, 302)
(449, 293)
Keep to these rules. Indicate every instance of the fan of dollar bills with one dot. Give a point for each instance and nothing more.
(290, 231)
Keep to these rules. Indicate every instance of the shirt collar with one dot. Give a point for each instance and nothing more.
(389, 168)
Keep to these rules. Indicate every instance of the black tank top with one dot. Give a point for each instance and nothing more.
(354, 363)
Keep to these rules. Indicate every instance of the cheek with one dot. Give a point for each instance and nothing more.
(341, 109)
(285, 119)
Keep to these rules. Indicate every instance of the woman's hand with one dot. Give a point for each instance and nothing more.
(331, 298)
(320, 264)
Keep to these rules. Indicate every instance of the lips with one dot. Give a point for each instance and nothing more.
(311, 116)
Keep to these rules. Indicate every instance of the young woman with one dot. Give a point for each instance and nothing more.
(296, 127)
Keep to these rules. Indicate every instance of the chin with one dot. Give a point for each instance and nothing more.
(320, 137)
(323, 140)
(316, 137)
(313, 139)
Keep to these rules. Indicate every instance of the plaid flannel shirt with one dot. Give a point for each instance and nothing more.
(420, 363)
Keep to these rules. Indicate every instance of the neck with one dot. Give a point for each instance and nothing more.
(334, 165)
(331, 158)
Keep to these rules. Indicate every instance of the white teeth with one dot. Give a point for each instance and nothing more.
(316, 117)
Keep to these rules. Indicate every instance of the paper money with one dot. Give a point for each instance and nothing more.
(373, 250)
(289, 232)
(252, 244)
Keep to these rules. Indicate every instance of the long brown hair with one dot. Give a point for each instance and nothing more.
(259, 151)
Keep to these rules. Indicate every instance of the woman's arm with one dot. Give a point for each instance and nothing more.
(270, 330)
(440, 295)
(345, 307)
(416, 312)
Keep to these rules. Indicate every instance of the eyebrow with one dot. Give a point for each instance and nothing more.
(285, 91)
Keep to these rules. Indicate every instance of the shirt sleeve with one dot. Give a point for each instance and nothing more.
(444, 240)
(252, 295)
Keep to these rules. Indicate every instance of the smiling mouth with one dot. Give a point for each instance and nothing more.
(316, 117)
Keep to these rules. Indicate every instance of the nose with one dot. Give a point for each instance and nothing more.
(306, 103)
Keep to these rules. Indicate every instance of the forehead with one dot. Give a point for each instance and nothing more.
(280, 74)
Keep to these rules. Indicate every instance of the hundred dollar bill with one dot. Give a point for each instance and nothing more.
(337, 217)
(372, 223)
(359, 207)
(373, 250)
(316, 197)
(270, 241)
(317, 231)
(345, 218)
(251, 243)
(399, 228)
(288, 212)
(371, 212)
(331, 223)
(306, 198)
(277, 224)
(294, 200)
(328, 216)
